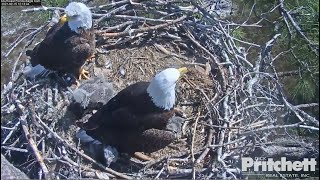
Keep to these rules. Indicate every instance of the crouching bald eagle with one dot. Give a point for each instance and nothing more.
(68, 44)
(136, 119)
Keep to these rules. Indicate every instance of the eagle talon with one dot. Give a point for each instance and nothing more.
(83, 74)
(77, 83)
(49, 29)
(91, 58)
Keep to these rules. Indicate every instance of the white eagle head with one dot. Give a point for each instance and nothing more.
(162, 87)
(78, 16)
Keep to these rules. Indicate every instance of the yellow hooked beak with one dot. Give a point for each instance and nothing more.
(63, 19)
(182, 71)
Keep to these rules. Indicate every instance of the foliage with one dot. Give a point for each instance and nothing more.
(52, 3)
(238, 33)
(300, 56)
(306, 14)
(56, 3)
(304, 90)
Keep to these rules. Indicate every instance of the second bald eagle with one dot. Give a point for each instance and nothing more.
(137, 118)
(68, 45)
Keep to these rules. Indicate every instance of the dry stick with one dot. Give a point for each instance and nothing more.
(160, 172)
(162, 49)
(110, 4)
(43, 8)
(229, 143)
(297, 106)
(306, 105)
(296, 125)
(209, 142)
(178, 171)
(80, 153)
(121, 8)
(151, 28)
(117, 27)
(192, 144)
(122, 41)
(11, 132)
(18, 38)
(15, 66)
(31, 33)
(289, 73)
(306, 115)
(223, 131)
(15, 149)
(33, 145)
(245, 25)
(141, 18)
(79, 159)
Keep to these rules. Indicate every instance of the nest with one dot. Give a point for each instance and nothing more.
(231, 105)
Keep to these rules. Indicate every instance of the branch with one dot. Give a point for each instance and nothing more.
(297, 125)
(151, 28)
(33, 145)
(192, 146)
(30, 34)
(43, 8)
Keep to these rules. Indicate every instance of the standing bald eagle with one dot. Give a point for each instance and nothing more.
(136, 119)
(68, 45)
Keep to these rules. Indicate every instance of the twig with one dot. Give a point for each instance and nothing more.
(33, 145)
(43, 8)
(306, 105)
(15, 149)
(160, 172)
(151, 28)
(105, 16)
(162, 49)
(117, 27)
(208, 143)
(15, 66)
(297, 125)
(11, 132)
(19, 37)
(110, 4)
(142, 18)
(192, 146)
(30, 34)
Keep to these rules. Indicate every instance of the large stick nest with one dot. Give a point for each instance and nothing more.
(234, 106)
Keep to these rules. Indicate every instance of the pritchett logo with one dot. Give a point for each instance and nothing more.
(268, 164)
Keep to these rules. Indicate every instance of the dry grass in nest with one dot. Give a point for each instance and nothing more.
(137, 64)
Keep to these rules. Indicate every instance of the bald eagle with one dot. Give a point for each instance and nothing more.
(136, 119)
(68, 44)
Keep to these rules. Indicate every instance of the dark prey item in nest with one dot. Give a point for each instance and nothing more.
(136, 119)
(68, 44)
(91, 95)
